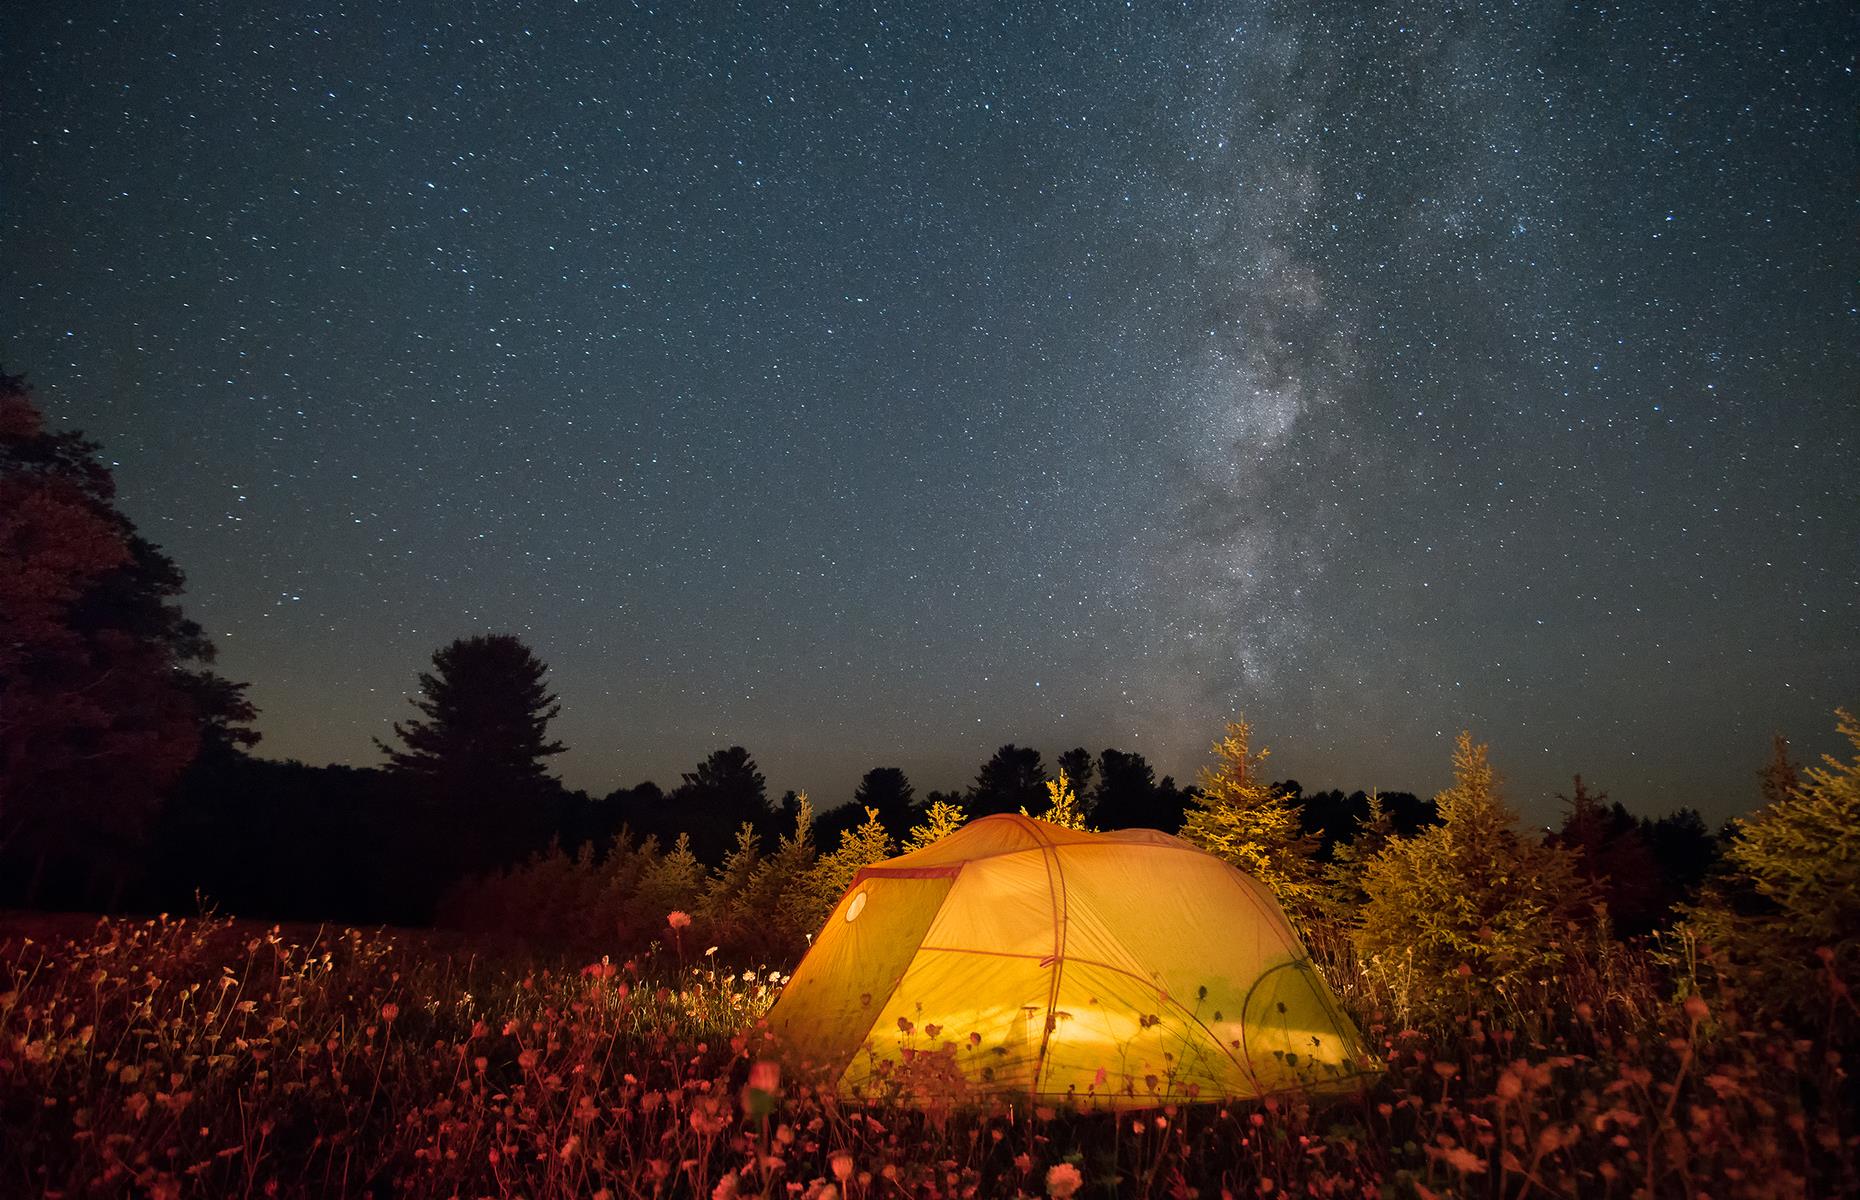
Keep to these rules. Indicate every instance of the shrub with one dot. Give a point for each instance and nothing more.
(1796, 865)
(1469, 909)
(940, 820)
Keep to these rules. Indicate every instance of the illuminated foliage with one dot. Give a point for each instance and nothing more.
(822, 887)
(1798, 858)
(940, 820)
(1462, 911)
(1241, 817)
(1062, 807)
(722, 908)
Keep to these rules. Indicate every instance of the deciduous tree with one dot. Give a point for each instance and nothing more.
(105, 695)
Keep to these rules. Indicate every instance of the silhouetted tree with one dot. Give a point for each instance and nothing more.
(104, 693)
(1613, 859)
(641, 811)
(933, 797)
(286, 841)
(1080, 770)
(1778, 779)
(1330, 817)
(724, 791)
(786, 814)
(890, 791)
(1125, 796)
(477, 758)
(1686, 851)
(1015, 778)
(1408, 813)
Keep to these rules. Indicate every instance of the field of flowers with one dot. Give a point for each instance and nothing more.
(175, 1058)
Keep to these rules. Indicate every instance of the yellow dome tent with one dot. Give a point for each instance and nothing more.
(1018, 958)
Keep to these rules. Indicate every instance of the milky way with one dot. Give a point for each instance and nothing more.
(878, 387)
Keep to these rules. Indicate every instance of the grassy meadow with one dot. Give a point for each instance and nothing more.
(175, 1058)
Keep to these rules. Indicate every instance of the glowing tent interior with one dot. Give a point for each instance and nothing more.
(1019, 958)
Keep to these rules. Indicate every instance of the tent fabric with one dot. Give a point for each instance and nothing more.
(1019, 958)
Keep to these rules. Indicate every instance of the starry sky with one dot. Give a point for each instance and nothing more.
(879, 384)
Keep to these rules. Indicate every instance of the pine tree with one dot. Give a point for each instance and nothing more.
(1612, 858)
(1471, 893)
(888, 790)
(1344, 896)
(833, 874)
(673, 882)
(1779, 779)
(725, 905)
(725, 790)
(777, 888)
(940, 820)
(1013, 778)
(1242, 818)
(1800, 857)
(478, 758)
(1079, 767)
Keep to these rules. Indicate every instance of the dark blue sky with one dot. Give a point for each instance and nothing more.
(879, 387)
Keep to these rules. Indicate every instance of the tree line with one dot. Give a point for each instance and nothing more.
(127, 780)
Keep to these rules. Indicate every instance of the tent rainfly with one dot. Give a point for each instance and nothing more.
(1016, 958)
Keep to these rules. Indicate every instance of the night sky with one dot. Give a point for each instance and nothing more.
(877, 387)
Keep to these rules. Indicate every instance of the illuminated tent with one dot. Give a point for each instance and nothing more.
(1019, 958)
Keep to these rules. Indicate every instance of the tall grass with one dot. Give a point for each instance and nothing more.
(175, 1058)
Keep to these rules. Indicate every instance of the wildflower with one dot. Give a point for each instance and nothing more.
(842, 1165)
(1696, 1008)
(678, 919)
(1062, 1180)
(389, 1011)
(726, 1187)
(765, 1076)
(1463, 1160)
(711, 953)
